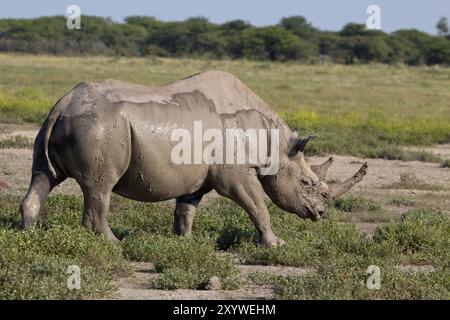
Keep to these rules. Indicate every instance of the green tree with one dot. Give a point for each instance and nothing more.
(404, 51)
(276, 43)
(149, 23)
(363, 49)
(353, 29)
(233, 34)
(299, 26)
(294, 38)
(442, 26)
(125, 39)
(417, 43)
(438, 52)
(327, 43)
(173, 38)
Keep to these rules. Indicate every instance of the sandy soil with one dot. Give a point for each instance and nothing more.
(15, 172)
(442, 150)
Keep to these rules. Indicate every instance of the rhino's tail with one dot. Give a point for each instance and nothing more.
(41, 159)
(44, 177)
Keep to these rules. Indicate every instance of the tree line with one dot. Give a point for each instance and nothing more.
(293, 38)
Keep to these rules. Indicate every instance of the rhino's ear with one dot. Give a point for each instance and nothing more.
(299, 145)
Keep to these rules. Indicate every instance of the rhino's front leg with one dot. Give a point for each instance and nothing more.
(246, 190)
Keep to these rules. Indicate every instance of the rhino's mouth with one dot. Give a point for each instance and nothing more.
(314, 215)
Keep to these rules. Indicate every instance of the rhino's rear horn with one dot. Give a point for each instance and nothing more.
(299, 145)
(321, 169)
(342, 187)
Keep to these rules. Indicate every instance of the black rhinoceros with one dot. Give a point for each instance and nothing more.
(117, 137)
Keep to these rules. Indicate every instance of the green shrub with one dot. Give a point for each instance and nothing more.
(445, 163)
(354, 203)
(307, 243)
(34, 264)
(422, 237)
(347, 282)
(341, 257)
(23, 108)
(185, 263)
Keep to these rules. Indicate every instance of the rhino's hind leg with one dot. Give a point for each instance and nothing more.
(31, 206)
(184, 213)
(95, 212)
(245, 189)
(97, 157)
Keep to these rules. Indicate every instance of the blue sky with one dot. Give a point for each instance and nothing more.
(324, 14)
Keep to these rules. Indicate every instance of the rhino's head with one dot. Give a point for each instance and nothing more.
(301, 189)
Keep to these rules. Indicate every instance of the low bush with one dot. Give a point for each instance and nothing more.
(355, 203)
(185, 263)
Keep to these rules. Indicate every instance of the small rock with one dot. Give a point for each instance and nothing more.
(213, 283)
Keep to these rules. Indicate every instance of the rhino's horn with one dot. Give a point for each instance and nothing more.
(321, 169)
(342, 187)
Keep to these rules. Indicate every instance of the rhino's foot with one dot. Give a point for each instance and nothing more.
(111, 237)
(270, 241)
(184, 218)
(99, 229)
(107, 234)
(27, 222)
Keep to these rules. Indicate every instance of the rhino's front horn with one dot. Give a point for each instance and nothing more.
(339, 189)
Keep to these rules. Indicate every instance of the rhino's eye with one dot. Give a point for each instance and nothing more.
(306, 181)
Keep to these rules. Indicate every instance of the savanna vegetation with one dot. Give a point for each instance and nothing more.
(293, 38)
(34, 264)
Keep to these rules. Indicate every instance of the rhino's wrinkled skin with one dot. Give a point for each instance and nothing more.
(116, 137)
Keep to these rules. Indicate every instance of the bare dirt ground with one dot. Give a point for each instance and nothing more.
(137, 286)
(15, 164)
(15, 172)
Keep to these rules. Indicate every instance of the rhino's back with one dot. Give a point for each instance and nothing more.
(227, 92)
